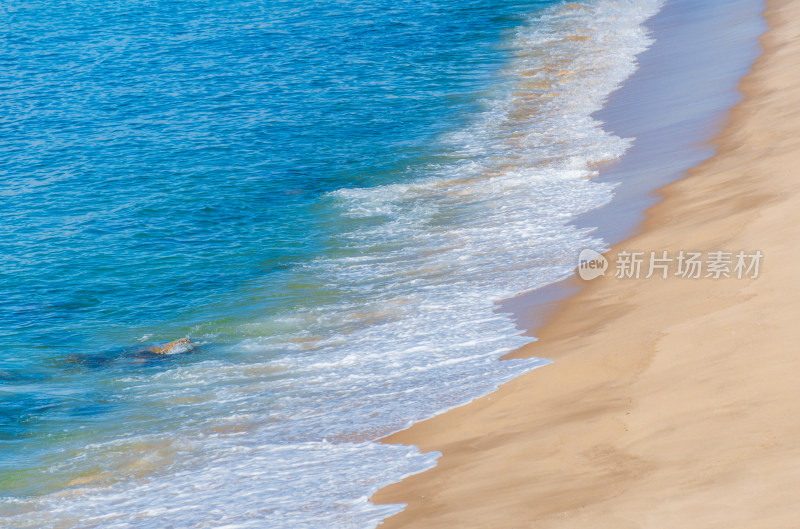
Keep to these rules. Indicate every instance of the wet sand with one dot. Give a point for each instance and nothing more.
(671, 402)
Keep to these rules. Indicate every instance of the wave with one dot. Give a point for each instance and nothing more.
(399, 320)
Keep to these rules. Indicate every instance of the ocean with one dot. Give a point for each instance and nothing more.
(328, 197)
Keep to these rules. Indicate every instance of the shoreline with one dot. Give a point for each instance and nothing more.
(722, 41)
(669, 400)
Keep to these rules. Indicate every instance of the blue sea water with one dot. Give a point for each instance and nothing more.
(160, 155)
(327, 197)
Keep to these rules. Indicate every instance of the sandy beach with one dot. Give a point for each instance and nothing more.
(670, 402)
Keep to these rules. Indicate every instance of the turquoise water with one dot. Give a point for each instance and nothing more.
(163, 160)
(159, 156)
(327, 197)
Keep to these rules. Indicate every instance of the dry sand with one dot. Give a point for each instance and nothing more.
(671, 403)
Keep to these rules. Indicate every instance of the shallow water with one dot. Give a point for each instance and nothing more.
(328, 198)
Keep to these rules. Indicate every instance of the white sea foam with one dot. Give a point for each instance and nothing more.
(283, 438)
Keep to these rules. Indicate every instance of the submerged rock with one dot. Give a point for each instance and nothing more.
(184, 345)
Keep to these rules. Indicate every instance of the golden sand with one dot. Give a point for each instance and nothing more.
(671, 403)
